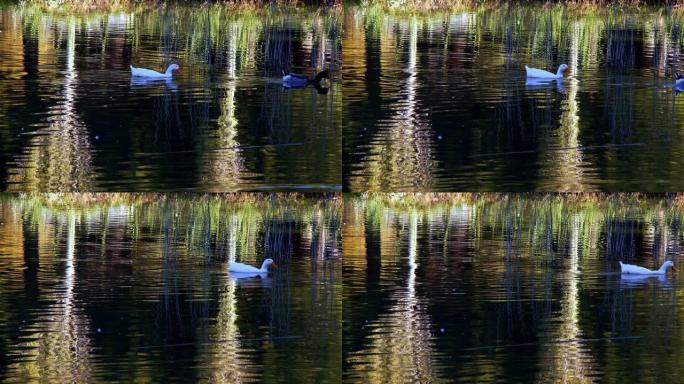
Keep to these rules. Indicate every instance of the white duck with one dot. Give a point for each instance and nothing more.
(144, 72)
(637, 270)
(245, 268)
(542, 74)
(679, 81)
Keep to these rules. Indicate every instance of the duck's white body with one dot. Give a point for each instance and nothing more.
(235, 267)
(637, 270)
(150, 74)
(535, 73)
(679, 82)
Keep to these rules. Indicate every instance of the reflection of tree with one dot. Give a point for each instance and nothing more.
(570, 360)
(406, 350)
(59, 348)
(58, 156)
(224, 165)
(562, 167)
(402, 149)
(223, 352)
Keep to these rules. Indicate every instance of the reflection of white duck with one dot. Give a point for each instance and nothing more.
(235, 267)
(542, 74)
(632, 280)
(144, 72)
(142, 82)
(534, 83)
(637, 270)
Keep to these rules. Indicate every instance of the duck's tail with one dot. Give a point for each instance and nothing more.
(320, 76)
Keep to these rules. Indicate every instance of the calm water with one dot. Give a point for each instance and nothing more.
(71, 118)
(522, 292)
(440, 102)
(140, 292)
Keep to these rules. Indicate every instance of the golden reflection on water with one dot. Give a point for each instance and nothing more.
(76, 248)
(59, 349)
(564, 146)
(538, 304)
(402, 149)
(399, 347)
(571, 360)
(58, 156)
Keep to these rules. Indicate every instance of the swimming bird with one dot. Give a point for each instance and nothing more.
(244, 268)
(679, 81)
(295, 80)
(542, 74)
(637, 270)
(144, 72)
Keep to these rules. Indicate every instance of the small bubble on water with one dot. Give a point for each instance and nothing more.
(439, 137)
(441, 330)
(99, 330)
(97, 137)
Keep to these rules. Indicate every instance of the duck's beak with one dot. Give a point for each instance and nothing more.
(674, 268)
(274, 265)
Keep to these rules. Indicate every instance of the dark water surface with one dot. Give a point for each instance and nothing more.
(71, 118)
(440, 101)
(513, 290)
(139, 292)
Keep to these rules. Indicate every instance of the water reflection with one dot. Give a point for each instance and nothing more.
(70, 168)
(507, 287)
(98, 283)
(75, 120)
(469, 120)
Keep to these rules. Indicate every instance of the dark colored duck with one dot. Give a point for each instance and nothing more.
(295, 80)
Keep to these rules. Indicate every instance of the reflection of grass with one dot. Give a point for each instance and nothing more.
(207, 225)
(545, 220)
(429, 6)
(128, 5)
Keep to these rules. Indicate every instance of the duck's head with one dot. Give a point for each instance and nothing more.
(172, 67)
(669, 264)
(268, 264)
(562, 68)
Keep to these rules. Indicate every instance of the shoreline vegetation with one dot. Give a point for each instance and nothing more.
(412, 7)
(87, 6)
(417, 200)
(90, 200)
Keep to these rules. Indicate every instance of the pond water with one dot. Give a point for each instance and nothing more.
(440, 101)
(511, 290)
(72, 119)
(138, 291)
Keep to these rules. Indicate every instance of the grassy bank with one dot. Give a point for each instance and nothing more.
(599, 200)
(80, 6)
(429, 6)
